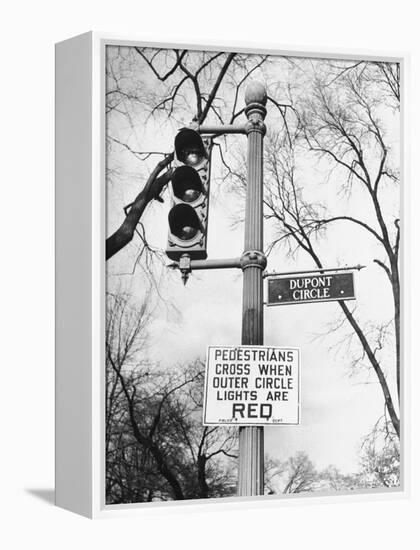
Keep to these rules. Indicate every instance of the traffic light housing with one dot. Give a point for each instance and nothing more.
(188, 217)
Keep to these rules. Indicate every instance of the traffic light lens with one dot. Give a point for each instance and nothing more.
(188, 232)
(190, 195)
(183, 222)
(186, 184)
(192, 158)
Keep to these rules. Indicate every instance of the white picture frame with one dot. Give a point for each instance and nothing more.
(80, 276)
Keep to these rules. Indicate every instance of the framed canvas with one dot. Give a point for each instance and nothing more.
(230, 287)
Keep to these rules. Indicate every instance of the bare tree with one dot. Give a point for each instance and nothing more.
(339, 120)
(273, 471)
(297, 474)
(301, 474)
(331, 479)
(380, 457)
(156, 446)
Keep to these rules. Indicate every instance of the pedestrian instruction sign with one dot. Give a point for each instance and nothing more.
(251, 385)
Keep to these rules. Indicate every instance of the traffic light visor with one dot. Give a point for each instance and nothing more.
(189, 147)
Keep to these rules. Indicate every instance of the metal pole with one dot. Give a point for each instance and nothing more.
(251, 438)
(222, 129)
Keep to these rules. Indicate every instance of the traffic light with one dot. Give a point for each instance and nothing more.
(188, 216)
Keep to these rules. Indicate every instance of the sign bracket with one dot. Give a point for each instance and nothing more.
(321, 270)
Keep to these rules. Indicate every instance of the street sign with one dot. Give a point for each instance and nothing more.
(251, 385)
(305, 289)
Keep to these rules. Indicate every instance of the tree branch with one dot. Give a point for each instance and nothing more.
(154, 185)
(202, 116)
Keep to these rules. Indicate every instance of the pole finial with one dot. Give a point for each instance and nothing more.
(255, 93)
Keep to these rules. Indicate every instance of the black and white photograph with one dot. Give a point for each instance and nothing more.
(253, 297)
(210, 299)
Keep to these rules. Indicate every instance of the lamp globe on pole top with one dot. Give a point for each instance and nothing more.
(255, 93)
